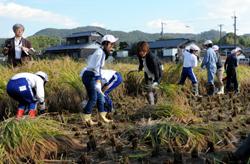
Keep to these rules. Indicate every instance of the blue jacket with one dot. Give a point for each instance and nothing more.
(210, 59)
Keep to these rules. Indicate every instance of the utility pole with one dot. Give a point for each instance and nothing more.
(234, 17)
(162, 27)
(220, 25)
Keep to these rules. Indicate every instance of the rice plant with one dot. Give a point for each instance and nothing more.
(176, 136)
(25, 138)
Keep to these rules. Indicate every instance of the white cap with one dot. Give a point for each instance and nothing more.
(187, 48)
(109, 38)
(208, 42)
(237, 49)
(194, 47)
(43, 75)
(215, 47)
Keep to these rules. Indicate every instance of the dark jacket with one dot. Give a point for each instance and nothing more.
(231, 62)
(154, 66)
(10, 43)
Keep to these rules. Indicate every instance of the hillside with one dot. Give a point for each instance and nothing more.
(130, 37)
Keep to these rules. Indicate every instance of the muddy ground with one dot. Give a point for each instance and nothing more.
(116, 143)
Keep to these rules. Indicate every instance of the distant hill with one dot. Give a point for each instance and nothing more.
(130, 37)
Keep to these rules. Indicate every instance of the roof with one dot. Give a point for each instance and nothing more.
(168, 43)
(85, 33)
(246, 49)
(228, 46)
(71, 47)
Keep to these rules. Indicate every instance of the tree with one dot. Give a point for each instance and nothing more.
(42, 42)
(229, 39)
(123, 45)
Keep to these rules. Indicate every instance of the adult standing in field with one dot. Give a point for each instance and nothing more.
(17, 48)
(230, 67)
(28, 90)
(152, 70)
(189, 61)
(209, 62)
(220, 70)
(91, 78)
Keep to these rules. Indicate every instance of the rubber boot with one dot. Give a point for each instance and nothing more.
(88, 120)
(20, 113)
(32, 113)
(150, 98)
(210, 89)
(196, 90)
(221, 91)
(104, 118)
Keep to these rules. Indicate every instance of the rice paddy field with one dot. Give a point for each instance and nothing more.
(181, 128)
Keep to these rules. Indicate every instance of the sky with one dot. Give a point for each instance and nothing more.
(177, 16)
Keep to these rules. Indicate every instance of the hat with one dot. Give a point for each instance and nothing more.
(43, 75)
(194, 47)
(215, 47)
(109, 38)
(237, 49)
(208, 42)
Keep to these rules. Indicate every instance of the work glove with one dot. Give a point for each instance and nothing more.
(98, 88)
(155, 85)
(42, 107)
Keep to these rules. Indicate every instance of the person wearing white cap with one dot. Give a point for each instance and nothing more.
(91, 79)
(190, 61)
(209, 62)
(110, 79)
(17, 48)
(230, 67)
(28, 90)
(220, 70)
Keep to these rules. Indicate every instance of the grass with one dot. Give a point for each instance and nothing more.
(177, 136)
(65, 91)
(27, 139)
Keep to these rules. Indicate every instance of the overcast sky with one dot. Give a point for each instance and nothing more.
(193, 16)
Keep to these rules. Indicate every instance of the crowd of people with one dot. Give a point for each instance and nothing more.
(213, 64)
(28, 88)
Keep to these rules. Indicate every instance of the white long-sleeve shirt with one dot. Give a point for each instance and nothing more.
(35, 82)
(96, 62)
(106, 75)
(18, 49)
(190, 60)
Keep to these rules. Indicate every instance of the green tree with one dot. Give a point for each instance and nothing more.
(123, 45)
(229, 39)
(42, 42)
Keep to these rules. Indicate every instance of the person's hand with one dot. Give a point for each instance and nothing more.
(155, 85)
(98, 88)
(25, 49)
(5, 50)
(42, 106)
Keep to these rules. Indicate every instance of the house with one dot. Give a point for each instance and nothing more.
(78, 45)
(167, 49)
(246, 52)
(226, 49)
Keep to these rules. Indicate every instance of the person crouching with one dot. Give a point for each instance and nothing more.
(28, 90)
